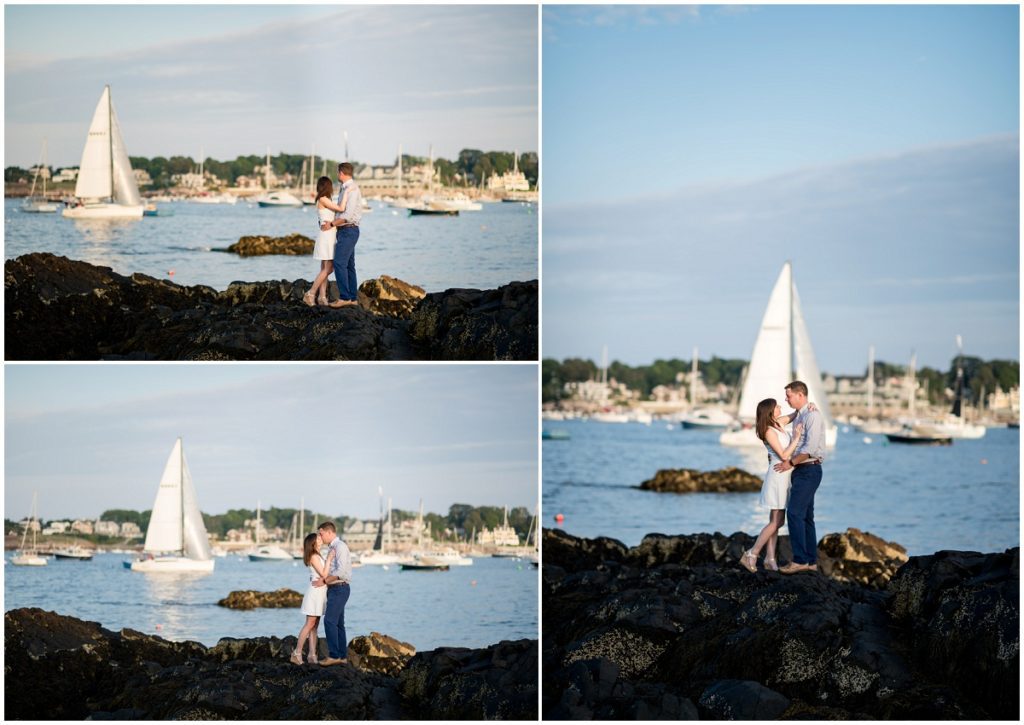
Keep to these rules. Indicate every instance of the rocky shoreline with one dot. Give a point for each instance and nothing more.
(675, 629)
(59, 667)
(689, 480)
(62, 309)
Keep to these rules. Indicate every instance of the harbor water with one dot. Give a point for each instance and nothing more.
(467, 606)
(961, 497)
(482, 249)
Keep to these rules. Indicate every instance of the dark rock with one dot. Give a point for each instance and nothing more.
(60, 309)
(860, 557)
(58, 667)
(688, 480)
(741, 700)
(469, 324)
(293, 244)
(650, 630)
(497, 683)
(962, 610)
(249, 599)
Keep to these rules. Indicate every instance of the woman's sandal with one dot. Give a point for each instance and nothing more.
(312, 660)
(308, 299)
(770, 564)
(296, 658)
(749, 561)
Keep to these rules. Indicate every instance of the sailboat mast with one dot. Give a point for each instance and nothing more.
(181, 490)
(110, 139)
(792, 334)
(871, 379)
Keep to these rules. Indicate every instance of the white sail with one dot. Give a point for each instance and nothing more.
(105, 171)
(95, 173)
(196, 542)
(782, 353)
(126, 189)
(176, 525)
(806, 364)
(771, 361)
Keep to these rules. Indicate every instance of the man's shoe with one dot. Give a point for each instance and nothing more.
(328, 661)
(342, 303)
(794, 568)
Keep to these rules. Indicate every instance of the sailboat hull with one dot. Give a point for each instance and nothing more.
(39, 207)
(172, 564)
(28, 560)
(104, 211)
(747, 437)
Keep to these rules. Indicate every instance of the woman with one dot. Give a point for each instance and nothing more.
(315, 601)
(775, 489)
(324, 247)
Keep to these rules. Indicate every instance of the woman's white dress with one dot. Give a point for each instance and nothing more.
(775, 489)
(324, 247)
(315, 600)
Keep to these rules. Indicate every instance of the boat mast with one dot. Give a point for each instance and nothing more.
(871, 379)
(181, 489)
(110, 139)
(792, 335)
(693, 380)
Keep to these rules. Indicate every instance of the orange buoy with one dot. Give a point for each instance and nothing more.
(559, 518)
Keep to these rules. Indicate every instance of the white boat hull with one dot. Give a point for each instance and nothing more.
(39, 208)
(271, 553)
(104, 211)
(171, 564)
(28, 560)
(747, 437)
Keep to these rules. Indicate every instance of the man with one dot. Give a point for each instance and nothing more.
(806, 464)
(347, 223)
(337, 583)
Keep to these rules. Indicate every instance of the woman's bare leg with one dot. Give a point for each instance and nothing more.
(779, 517)
(312, 656)
(766, 533)
(310, 624)
(319, 288)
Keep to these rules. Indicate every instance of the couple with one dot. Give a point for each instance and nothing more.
(794, 473)
(326, 596)
(336, 245)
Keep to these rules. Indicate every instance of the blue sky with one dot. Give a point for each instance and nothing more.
(91, 438)
(234, 78)
(690, 151)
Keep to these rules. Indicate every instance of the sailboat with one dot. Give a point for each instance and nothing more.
(782, 353)
(106, 187)
(702, 418)
(275, 198)
(266, 552)
(38, 204)
(176, 538)
(29, 556)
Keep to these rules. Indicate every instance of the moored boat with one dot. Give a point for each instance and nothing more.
(29, 555)
(78, 553)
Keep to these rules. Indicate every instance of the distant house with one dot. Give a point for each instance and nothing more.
(66, 175)
(56, 527)
(31, 525)
(82, 526)
(107, 528)
(130, 529)
(142, 177)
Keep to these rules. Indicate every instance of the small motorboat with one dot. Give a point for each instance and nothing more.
(423, 563)
(77, 553)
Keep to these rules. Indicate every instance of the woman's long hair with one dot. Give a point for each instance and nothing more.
(765, 417)
(309, 543)
(324, 187)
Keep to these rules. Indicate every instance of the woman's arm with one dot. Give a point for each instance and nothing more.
(794, 441)
(771, 437)
(319, 565)
(328, 204)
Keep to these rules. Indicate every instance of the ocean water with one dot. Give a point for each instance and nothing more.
(467, 606)
(483, 249)
(965, 496)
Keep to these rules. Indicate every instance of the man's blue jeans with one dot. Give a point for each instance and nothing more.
(345, 262)
(334, 620)
(800, 511)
